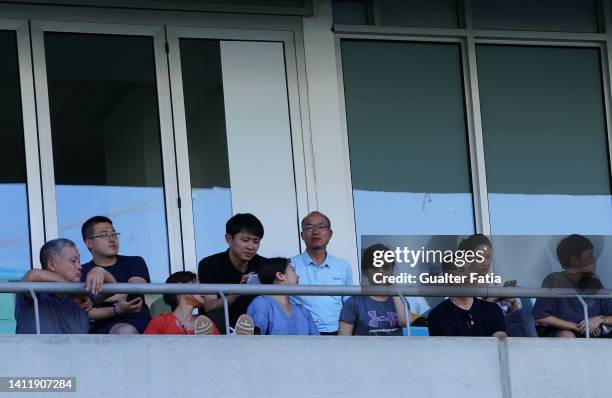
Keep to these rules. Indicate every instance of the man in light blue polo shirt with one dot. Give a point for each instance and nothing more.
(315, 266)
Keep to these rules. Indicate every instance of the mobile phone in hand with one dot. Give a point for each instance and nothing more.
(252, 279)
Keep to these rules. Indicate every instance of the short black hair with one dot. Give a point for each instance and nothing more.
(87, 229)
(473, 241)
(244, 222)
(178, 277)
(312, 213)
(572, 246)
(269, 268)
(52, 249)
(367, 258)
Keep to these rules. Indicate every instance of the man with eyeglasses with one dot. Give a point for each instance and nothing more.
(59, 313)
(315, 266)
(121, 313)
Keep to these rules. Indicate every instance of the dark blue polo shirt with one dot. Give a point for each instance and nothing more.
(58, 315)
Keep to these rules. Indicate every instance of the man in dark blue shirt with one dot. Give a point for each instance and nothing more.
(564, 317)
(59, 313)
(121, 313)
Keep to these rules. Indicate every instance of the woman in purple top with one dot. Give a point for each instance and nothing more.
(275, 314)
(373, 315)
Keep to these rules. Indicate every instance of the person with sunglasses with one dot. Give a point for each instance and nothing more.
(120, 313)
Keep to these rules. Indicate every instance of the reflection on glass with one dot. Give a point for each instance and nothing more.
(106, 141)
(350, 12)
(14, 229)
(207, 141)
(430, 13)
(540, 15)
(407, 138)
(545, 140)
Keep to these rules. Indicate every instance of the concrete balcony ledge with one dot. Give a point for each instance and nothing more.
(296, 366)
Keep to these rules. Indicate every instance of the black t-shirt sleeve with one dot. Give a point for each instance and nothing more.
(85, 270)
(438, 324)
(206, 272)
(139, 268)
(498, 323)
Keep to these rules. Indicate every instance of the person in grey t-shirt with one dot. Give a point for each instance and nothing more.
(59, 313)
(373, 315)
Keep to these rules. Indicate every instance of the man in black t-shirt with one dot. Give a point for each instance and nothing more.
(121, 313)
(466, 316)
(243, 234)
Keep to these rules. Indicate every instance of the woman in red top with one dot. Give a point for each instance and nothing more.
(181, 319)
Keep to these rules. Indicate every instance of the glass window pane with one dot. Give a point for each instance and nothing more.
(540, 15)
(545, 140)
(350, 12)
(14, 230)
(106, 141)
(407, 138)
(419, 13)
(207, 140)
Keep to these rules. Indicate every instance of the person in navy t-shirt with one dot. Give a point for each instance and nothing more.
(121, 313)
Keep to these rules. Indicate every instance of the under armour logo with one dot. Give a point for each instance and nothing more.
(375, 319)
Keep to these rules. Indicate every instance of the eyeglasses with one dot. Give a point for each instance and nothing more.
(107, 236)
(311, 227)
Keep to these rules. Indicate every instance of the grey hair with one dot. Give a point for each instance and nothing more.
(312, 213)
(53, 249)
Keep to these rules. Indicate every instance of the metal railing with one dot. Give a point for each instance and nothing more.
(303, 290)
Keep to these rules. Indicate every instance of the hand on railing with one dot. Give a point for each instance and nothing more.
(96, 278)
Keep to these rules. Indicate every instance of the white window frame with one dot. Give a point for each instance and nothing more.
(30, 132)
(174, 34)
(156, 33)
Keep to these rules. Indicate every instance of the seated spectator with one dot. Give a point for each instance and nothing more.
(519, 323)
(181, 319)
(564, 317)
(315, 266)
(275, 314)
(59, 313)
(373, 315)
(465, 316)
(121, 313)
(243, 234)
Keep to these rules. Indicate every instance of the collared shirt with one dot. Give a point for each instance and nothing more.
(58, 315)
(325, 310)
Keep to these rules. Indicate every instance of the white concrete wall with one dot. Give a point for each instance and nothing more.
(262, 366)
(334, 195)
